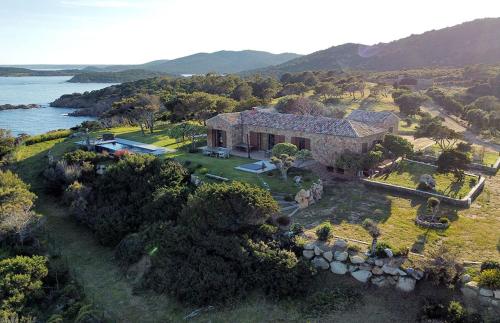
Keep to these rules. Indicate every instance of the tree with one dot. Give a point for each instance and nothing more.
(371, 159)
(284, 157)
(293, 89)
(21, 282)
(140, 110)
(372, 228)
(453, 161)
(7, 143)
(301, 106)
(302, 156)
(242, 92)
(397, 146)
(16, 201)
(409, 103)
(185, 130)
(478, 119)
(432, 127)
(433, 206)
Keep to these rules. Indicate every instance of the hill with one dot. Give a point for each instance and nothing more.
(113, 77)
(474, 42)
(17, 71)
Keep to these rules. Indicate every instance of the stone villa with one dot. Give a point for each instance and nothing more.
(326, 138)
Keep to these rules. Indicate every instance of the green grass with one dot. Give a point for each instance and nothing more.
(489, 158)
(473, 233)
(408, 174)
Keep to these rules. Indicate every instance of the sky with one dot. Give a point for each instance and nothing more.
(138, 31)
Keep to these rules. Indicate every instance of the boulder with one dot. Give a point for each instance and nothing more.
(341, 255)
(379, 262)
(495, 302)
(415, 273)
(472, 285)
(338, 267)
(309, 246)
(390, 270)
(341, 244)
(302, 198)
(486, 292)
(388, 252)
(328, 256)
(308, 254)
(317, 251)
(406, 284)
(465, 278)
(361, 275)
(321, 263)
(497, 294)
(370, 261)
(377, 271)
(365, 266)
(380, 281)
(392, 280)
(468, 292)
(484, 300)
(352, 268)
(401, 272)
(356, 259)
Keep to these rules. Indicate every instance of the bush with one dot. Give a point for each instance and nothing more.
(79, 156)
(456, 312)
(490, 278)
(352, 248)
(324, 231)
(284, 148)
(51, 135)
(379, 249)
(297, 228)
(490, 265)
(444, 220)
(289, 198)
(130, 249)
(203, 171)
(283, 220)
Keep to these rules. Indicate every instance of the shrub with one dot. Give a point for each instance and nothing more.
(379, 249)
(51, 135)
(490, 278)
(432, 202)
(289, 198)
(203, 171)
(473, 182)
(130, 249)
(456, 312)
(284, 148)
(198, 166)
(283, 220)
(79, 156)
(297, 228)
(490, 265)
(324, 231)
(444, 220)
(352, 248)
(267, 230)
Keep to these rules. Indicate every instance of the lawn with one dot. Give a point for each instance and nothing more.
(489, 157)
(408, 173)
(473, 233)
(35, 158)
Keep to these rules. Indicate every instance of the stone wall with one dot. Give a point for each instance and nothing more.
(381, 272)
(490, 170)
(475, 296)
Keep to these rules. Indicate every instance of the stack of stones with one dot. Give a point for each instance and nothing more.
(381, 272)
(487, 298)
(304, 198)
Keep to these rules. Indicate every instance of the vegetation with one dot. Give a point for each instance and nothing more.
(453, 161)
(51, 135)
(284, 157)
(490, 278)
(113, 77)
(372, 228)
(324, 231)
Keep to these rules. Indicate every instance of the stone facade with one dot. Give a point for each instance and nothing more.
(325, 147)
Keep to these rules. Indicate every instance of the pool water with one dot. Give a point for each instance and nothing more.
(115, 146)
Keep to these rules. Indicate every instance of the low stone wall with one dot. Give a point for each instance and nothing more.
(490, 299)
(381, 272)
(432, 225)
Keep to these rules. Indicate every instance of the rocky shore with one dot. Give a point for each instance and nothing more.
(93, 103)
(19, 106)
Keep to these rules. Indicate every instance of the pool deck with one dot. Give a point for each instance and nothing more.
(268, 167)
(154, 150)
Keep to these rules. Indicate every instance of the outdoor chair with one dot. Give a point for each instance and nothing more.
(208, 151)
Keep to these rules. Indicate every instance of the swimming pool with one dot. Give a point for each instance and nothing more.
(115, 146)
(258, 167)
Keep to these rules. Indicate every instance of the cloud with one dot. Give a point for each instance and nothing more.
(102, 3)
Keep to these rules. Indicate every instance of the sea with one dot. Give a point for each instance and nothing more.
(39, 90)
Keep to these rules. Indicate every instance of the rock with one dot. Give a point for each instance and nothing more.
(465, 278)
(377, 271)
(472, 285)
(379, 262)
(338, 267)
(352, 268)
(486, 292)
(390, 270)
(356, 259)
(339, 243)
(406, 284)
(341, 255)
(328, 256)
(392, 279)
(497, 294)
(388, 252)
(366, 266)
(302, 198)
(484, 300)
(380, 281)
(309, 246)
(370, 261)
(415, 273)
(317, 251)
(362, 275)
(401, 272)
(495, 302)
(469, 293)
(308, 254)
(321, 263)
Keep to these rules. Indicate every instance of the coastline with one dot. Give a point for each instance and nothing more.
(7, 106)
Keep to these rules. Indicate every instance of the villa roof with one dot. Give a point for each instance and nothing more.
(303, 123)
(370, 117)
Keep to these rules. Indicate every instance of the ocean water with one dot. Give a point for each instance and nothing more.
(39, 90)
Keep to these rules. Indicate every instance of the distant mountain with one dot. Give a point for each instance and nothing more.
(17, 71)
(113, 77)
(474, 42)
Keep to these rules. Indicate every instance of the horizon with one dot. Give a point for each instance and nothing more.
(123, 32)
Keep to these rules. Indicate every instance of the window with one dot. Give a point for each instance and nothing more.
(301, 143)
(364, 147)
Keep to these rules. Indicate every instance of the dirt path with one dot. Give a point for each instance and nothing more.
(103, 281)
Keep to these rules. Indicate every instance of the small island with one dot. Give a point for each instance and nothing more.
(19, 106)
